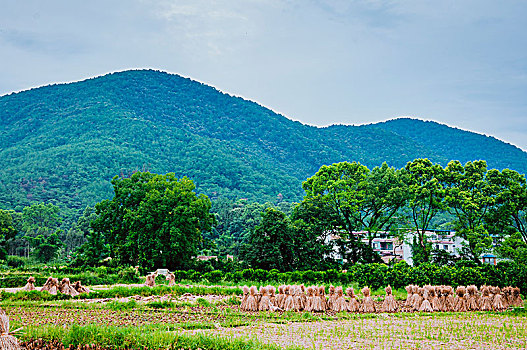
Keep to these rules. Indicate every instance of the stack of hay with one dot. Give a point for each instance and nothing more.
(7, 341)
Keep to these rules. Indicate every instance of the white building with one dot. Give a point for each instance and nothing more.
(392, 248)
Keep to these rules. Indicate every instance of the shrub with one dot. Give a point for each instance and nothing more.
(331, 276)
(213, 276)
(128, 275)
(467, 276)
(194, 276)
(260, 275)
(248, 274)
(308, 276)
(274, 275)
(296, 276)
(15, 261)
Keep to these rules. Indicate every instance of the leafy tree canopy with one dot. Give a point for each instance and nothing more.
(153, 221)
(7, 231)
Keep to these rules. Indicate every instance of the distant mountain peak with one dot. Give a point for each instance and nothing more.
(64, 142)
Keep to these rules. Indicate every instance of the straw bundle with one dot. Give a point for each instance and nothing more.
(50, 286)
(289, 303)
(66, 288)
(150, 280)
(415, 302)
(252, 305)
(331, 298)
(507, 296)
(472, 298)
(340, 303)
(436, 300)
(322, 297)
(265, 301)
(485, 302)
(460, 303)
(426, 306)
(353, 304)
(417, 299)
(30, 284)
(498, 304)
(309, 300)
(443, 298)
(243, 304)
(258, 295)
(516, 297)
(303, 295)
(317, 301)
(171, 278)
(281, 297)
(7, 341)
(80, 288)
(368, 305)
(389, 304)
(491, 294)
(450, 300)
(409, 295)
(272, 298)
(297, 299)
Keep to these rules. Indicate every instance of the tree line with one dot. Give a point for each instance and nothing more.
(486, 208)
(160, 221)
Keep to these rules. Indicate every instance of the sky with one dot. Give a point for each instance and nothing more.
(461, 63)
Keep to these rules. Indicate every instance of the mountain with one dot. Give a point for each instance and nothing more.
(64, 143)
(453, 143)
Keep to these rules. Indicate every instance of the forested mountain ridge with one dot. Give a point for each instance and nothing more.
(64, 142)
(454, 143)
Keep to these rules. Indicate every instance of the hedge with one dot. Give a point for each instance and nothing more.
(380, 275)
(18, 279)
(373, 275)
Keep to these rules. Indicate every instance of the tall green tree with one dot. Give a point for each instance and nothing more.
(470, 197)
(153, 220)
(7, 231)
(426, 198)
(46, 247)
(235, 221)
(385, 193)
(78, 235)
(513, 247)
(313, 224)
(343, 188)
(40, 219)
(510, 213)
(271, 244)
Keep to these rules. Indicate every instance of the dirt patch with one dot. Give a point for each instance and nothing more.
(465, 331)
(37, 316)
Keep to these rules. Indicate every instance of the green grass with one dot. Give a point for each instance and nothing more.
(150, 337)
(121, 292)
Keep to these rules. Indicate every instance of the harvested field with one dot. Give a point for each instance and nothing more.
(475, 330)
(39, 316)
(193, 317)
(415, 331)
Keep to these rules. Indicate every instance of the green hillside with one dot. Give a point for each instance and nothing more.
(453, 143)
(65, 142)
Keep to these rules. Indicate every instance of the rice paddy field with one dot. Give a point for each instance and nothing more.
(197, 317)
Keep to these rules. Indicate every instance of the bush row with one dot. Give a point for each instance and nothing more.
(372, 275)
(122, 292)
(19, 278)
(380, 275)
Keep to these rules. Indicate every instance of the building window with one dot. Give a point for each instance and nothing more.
(386, 245)
(445, 247)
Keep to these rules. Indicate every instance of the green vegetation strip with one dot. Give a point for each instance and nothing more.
(150, 337)
(121, 292)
